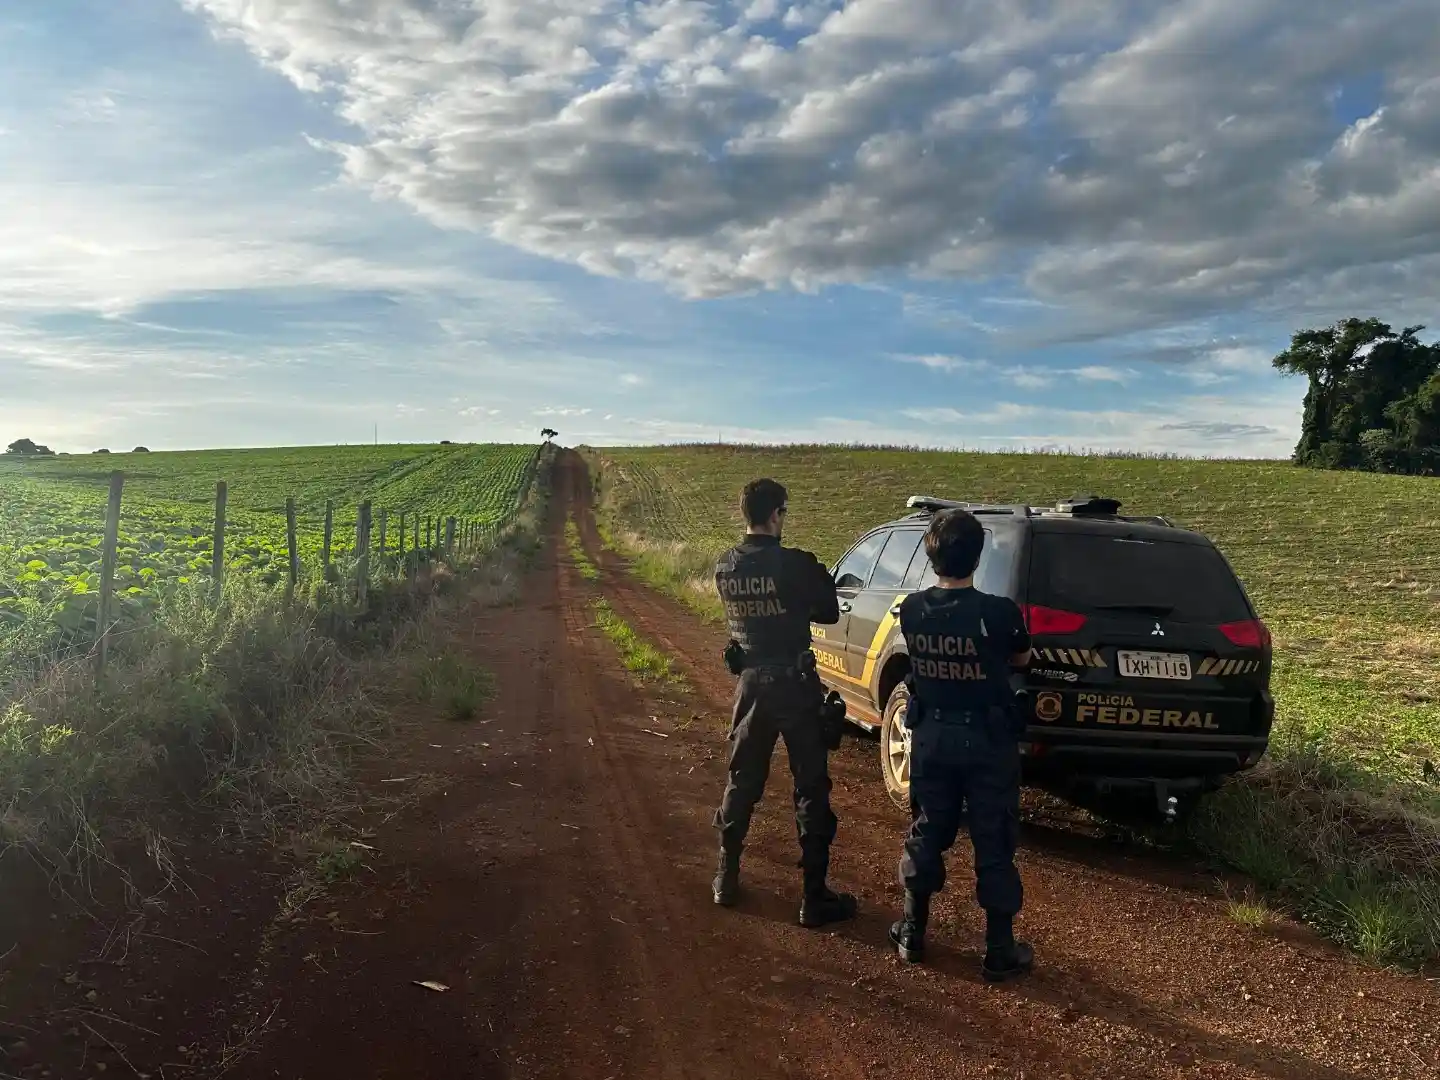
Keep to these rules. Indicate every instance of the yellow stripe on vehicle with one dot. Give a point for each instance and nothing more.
(877, 643)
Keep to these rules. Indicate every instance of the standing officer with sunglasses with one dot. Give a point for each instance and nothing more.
(771, 596)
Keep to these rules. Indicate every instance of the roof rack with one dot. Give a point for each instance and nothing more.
(1095, 506)
(1091, 506)
(928, 504)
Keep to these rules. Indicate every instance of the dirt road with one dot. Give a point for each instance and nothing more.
(557, 883)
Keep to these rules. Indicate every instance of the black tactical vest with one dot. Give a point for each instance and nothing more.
(955, 664)
(762, 609)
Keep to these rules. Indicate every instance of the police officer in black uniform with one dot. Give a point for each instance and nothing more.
(965, 730)
(771, 595)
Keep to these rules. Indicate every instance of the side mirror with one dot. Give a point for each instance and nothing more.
(849, 581)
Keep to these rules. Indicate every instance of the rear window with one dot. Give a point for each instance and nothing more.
(1085, 572)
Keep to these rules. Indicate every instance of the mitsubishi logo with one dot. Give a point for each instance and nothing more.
(1157, 632)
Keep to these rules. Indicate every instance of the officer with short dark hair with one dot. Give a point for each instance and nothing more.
(771, 594)
(964, 743)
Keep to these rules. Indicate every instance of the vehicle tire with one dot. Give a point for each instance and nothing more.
(895, 748)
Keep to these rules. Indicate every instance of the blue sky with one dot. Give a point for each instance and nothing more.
(232, 224)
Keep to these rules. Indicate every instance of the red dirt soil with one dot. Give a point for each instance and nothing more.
(556, 880)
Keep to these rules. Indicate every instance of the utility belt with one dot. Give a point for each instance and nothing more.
(738, 661)
(999, 719)
(964, 717)
(800, 669)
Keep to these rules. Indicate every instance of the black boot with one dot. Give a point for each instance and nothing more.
(908, 934)
(726, 887)
(1007, 961)
(1005, 958)
(820, 906)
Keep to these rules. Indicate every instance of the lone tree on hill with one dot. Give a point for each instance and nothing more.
(28, 446)
(141, 450)
(548, 433)
(1374, 397)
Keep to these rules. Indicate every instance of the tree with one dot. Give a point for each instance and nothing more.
(1417, 427)
(28, 446)
(141, 450)
(548, 433)
(1360, 372)
(101, 451)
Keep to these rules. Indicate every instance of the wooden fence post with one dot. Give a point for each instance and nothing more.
(217, 553)
(107, 570)
(384, 520)
(402, 535)
(329, 527)
(294, 549)
(362, 526)
(450, 536)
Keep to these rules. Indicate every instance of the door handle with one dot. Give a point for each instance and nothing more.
(895, 610)
(845, 607)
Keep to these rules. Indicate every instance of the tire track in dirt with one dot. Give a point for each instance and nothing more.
(1141, 972)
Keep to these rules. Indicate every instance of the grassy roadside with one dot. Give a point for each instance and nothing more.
(587, 569)
(247, 712)
(640, 658)
(1340, 825)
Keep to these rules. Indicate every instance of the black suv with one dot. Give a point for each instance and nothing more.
(1150, 670)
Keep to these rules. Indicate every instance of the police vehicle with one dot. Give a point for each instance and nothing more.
(1150, 671)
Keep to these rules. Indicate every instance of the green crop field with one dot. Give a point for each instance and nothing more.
(1345, 567)
(52, 516)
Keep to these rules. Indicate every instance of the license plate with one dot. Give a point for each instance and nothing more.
(1153, 665)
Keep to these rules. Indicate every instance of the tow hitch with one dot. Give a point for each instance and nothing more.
(1169, 805)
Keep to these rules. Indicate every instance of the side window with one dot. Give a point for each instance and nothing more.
(996, 561)
(919, 575)
(991, 576)
(928, 577)
(895, 559)
(854, 569)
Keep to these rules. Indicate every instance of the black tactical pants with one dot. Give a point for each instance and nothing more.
(965, 770)
(769, 705)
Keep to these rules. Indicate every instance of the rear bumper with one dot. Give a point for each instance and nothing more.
(1108, 760)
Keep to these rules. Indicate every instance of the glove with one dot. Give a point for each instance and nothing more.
(734, 655)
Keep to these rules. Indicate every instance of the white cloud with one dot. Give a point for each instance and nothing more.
(478, 410)
(1029, 380)
(1100, 373)
(551, 410)
(939, 362)
(631, 379)
(1205, 425)
(1022, 376)
(1189, 159)
(1004, 412)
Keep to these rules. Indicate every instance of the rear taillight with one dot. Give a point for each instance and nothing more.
(1044, 620)
(1250, 634)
